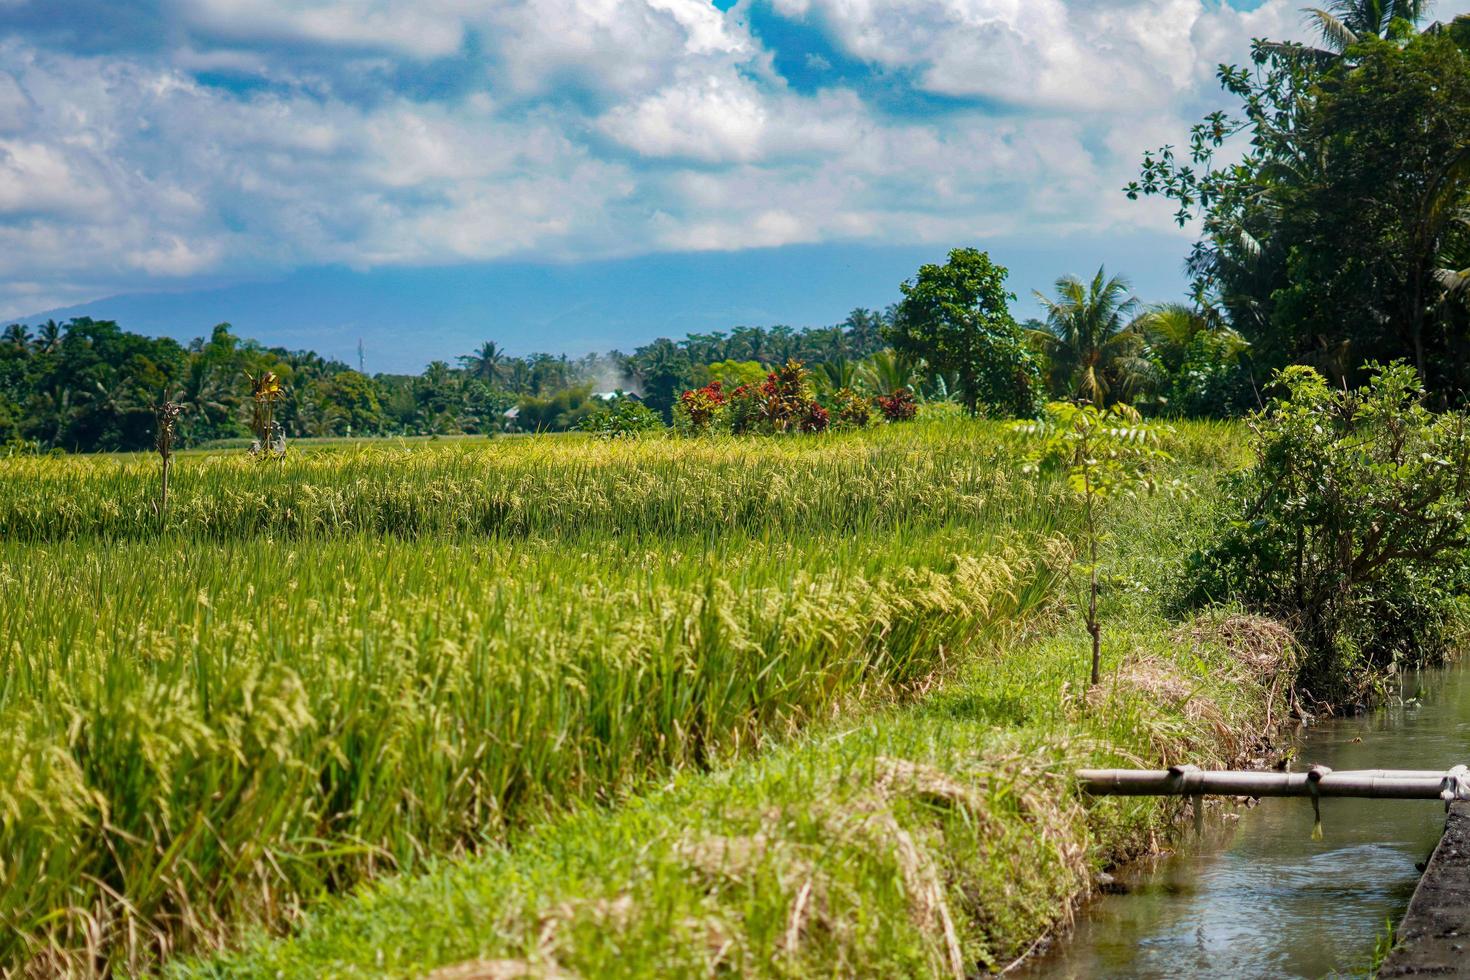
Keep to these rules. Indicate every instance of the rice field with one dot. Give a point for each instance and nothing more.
(932, 836)
(554, 488)
(308, 674)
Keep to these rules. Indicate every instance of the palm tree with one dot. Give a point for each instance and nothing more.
(750, 344)
(784, 344)
(18, 335)
(1095, 350)
(48, 337)
(1344, 23)
(520, 376)
(210, 397)
(864, 330)
(1169, 328)
(887, 371)
(834, 375)
(485, 363)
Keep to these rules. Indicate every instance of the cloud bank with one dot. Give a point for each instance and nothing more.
(167, 143)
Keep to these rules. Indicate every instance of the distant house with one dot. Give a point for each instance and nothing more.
(608, 396)
(511, 414)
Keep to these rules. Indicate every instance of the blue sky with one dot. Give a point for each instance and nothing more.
(573, 175)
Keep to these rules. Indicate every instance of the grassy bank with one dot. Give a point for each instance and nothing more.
(927, 839)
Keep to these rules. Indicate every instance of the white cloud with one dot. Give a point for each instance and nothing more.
(580, 128)
(423, 29)
(1114, 55)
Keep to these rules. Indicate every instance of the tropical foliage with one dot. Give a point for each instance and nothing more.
(1339, 238)
(1353, 525)
(956, 317)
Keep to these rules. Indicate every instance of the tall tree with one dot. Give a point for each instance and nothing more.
(1328, 242)
(18, 335)
(1344, 23)
(485, 363)
(957, 318)
(663, 371)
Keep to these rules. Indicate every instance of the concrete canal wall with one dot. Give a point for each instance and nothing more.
(1434, 939)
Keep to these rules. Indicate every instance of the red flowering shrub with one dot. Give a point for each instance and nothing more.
(816, 419)
(698, 410)
(747, 409)
(782, 403)
(788, 393)
(899, 406)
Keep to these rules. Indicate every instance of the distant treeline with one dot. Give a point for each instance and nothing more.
(89, 385)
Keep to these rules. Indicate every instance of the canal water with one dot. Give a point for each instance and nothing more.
(1257, 896)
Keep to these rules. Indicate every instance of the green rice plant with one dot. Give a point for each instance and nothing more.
(204, 735)
(934, 838)
(928, 473)
(363, 659)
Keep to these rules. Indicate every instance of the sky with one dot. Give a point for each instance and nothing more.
(578, 175)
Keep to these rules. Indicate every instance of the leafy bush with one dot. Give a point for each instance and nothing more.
(784, 402)
(700, 410)
(853, 410)
(732, 373)
(746, 409)
(622, 417)
(790, 404)
(559, 412)
(1212, 381)
(899, 406)
(1352, 525)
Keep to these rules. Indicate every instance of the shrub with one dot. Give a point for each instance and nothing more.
(899, 406)
(784, 402)
(622, 417)
(700, 410)
(559, 412)
(789, 401)
(746, 409)
(853, 411)
(1352, 525)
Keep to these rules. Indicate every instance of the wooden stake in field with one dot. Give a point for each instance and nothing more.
(166, 414)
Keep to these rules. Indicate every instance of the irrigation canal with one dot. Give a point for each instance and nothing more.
(1256, 895)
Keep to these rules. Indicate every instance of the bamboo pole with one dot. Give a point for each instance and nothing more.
(1318, 782)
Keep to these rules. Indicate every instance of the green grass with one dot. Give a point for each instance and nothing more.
(362, 660)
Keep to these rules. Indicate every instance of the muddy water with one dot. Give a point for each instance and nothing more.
(1257, 896)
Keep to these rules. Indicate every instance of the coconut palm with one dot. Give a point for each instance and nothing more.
(48, 337)
(1170, 328)
(485, 363)
(836, 374)
(1096, 352)
(1344, 23)
(17, 335)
